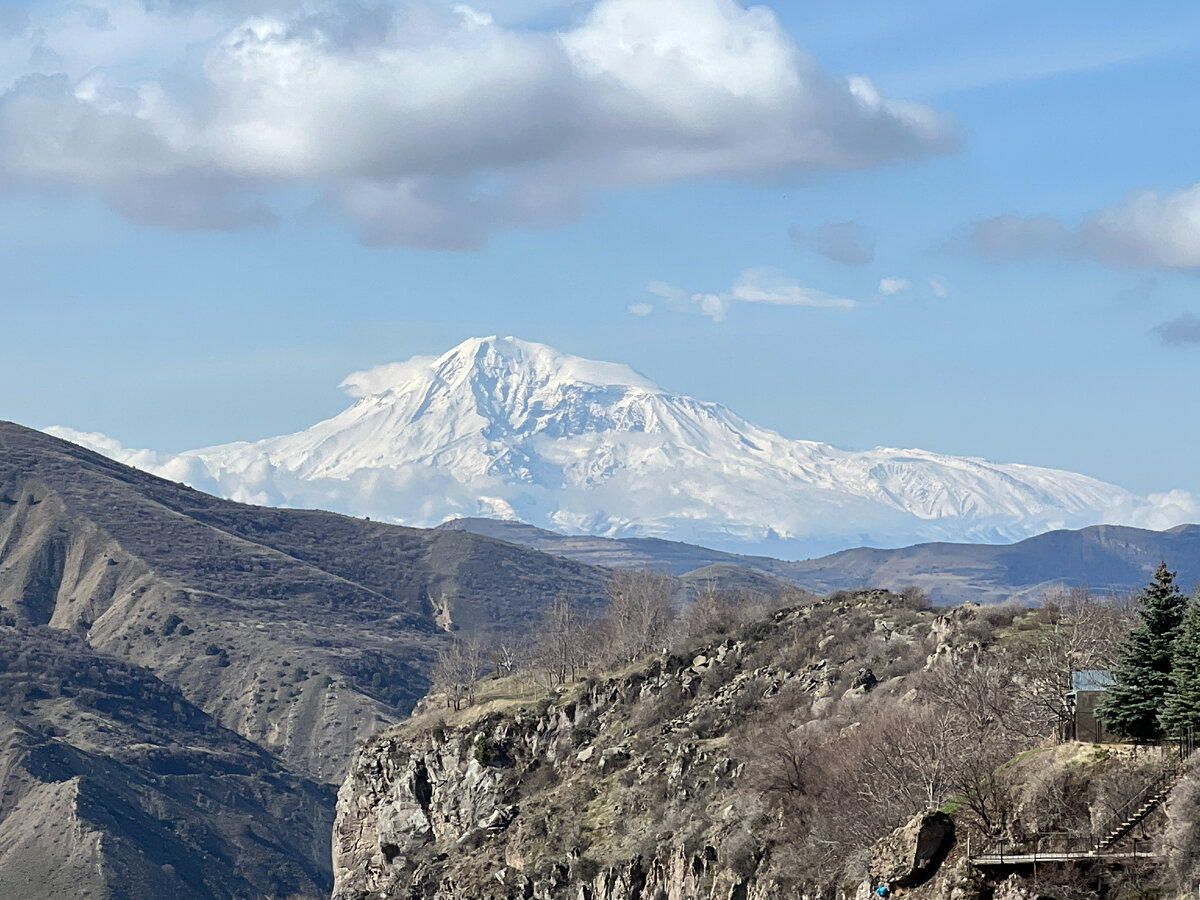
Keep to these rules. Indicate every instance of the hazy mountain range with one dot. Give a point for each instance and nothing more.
(1107, 559)
(503, 428)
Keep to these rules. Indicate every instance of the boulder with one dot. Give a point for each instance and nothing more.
(911, 854)
(865, 679)
(613, 758)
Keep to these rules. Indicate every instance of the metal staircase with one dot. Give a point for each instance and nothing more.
(1128, 816)
(1102, 844)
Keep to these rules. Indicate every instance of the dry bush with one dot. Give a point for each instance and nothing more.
(638, 618)
(1002, 614)
(1181, 840)
(915, 598)
(712, 613)
(778, 761)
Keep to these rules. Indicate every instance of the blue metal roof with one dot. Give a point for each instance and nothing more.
(1091, 680)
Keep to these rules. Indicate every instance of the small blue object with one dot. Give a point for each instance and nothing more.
(882, 890)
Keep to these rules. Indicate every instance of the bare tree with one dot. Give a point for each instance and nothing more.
(712, 611)
(915, 597)
(778, 760)
(1080, 632)
(507, 652)
(457, 670)
(892, 764)
(638, 618)
(563, 643)
(946, 740)
(993, 716)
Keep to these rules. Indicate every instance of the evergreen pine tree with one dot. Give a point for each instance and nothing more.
(1182, 708)
(1132, 706)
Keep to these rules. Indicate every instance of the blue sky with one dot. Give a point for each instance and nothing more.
(972, 228)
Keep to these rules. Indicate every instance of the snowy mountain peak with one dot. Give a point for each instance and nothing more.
(507, 428)
(495, 361)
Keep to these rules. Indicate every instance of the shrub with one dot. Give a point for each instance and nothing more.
(484, 753)
(582, 735)
(915, 598)
(584, 869)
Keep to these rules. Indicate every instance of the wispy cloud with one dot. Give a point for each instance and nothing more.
(1183, 330)
(968, 66)
(762, 285)
(844, 242)
(422, 125)
(893, 285)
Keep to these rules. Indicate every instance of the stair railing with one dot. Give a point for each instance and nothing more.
(1117, 825)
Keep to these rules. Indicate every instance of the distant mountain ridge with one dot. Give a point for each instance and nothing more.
(504, 428)
(1108, 559)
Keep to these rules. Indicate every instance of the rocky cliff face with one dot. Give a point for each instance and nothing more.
(803, 756)
(644, 784)
(456, 811)
(474, 809)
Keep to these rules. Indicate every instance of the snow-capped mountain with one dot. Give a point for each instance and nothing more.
(506, 428)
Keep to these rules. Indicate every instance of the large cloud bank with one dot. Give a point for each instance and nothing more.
(422, 125)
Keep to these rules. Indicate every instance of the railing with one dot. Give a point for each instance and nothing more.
(1130, 813)
(1075, 849)
(1064, 846)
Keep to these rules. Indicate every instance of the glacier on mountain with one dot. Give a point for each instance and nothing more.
(506, 428)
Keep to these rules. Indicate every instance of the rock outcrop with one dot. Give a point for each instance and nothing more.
(911, 854)
(667, 780)
(457, 811)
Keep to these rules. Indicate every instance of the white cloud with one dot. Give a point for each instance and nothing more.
(425, 126)
(378, 380)
(763, 285)
(772, 286)
(473, 16)
(641, 309)
(1147, 230)
(939, 288)
(1166, 510)
(101, 443)
(893, 285)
